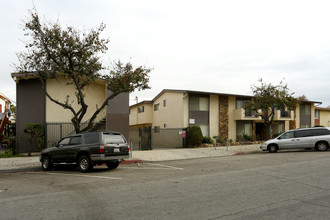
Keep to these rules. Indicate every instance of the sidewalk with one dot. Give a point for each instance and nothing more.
(144, 156)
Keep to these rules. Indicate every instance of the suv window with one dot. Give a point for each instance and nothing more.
(75, 140)
(64, 142)
(287, 135)
(113, 139)
(91, 138)
(320, 131)
(303, 133)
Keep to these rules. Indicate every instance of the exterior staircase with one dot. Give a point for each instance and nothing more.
(99, 126)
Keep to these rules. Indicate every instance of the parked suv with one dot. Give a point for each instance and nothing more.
(86, 150)
(318, 138)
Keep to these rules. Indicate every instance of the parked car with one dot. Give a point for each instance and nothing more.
(86, 150)
(307, 138)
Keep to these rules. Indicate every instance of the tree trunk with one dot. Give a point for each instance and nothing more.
(269, 131)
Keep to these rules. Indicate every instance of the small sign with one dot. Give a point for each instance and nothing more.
(191, 121)
(184, 134)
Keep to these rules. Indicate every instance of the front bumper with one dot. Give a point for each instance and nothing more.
(263, 147)
(102, 157)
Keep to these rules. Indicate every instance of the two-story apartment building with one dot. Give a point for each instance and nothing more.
(322, 116)
(33, 106)
(216, 113)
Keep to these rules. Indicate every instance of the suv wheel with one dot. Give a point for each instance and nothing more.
(321, 146)
(272, 148)
(113, 164)
(84, 164)
(46, 163)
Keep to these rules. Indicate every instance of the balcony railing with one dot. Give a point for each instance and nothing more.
(242, 114)
(281, 115)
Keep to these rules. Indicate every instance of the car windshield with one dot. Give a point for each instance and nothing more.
(113, 139)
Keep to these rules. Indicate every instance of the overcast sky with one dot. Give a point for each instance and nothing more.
(215, 46)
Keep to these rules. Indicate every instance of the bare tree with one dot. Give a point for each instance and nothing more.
(66, 52)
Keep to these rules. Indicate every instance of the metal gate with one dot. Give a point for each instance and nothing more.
(146, 138)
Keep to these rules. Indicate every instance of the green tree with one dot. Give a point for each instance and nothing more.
(267, 98)
(66, 52)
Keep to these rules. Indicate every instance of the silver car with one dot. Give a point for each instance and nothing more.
(318, 138)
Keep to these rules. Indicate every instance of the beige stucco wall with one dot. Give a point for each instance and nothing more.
(185, 99)
(231, 118)
(173, 114)
(312, 115)
(141, 118)
(325, 118)
(59, 90)
(214, 116)
(298, 116)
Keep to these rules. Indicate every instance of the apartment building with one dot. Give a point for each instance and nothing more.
(216, 113)
(322, 116)
(34, 107)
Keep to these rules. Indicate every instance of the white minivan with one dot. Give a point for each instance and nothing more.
(318, 138)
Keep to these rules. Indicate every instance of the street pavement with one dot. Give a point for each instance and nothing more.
(17, 163)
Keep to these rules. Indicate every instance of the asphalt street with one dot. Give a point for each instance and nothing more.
(285, 185)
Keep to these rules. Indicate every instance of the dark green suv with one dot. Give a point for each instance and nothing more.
(86, 150)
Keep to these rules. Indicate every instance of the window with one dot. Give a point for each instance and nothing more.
(64, 142)
(156, 107)
(288, 135)
(164, 103)
(205, 129)
(91, 138)
(317, 132)
(305, 109)
(244, 128)
(303, 133)
(75, 140)
(317, 114)
(113, 139)
(141, 109)
(240, 103)
(278, 128)
(197, 103)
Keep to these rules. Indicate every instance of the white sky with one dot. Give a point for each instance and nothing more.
(216, 46)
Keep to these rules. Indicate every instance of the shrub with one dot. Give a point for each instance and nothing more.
(195, 136)
(35, 136)
(219, 139)
(247, 137)
(244, 138)
(207, 140)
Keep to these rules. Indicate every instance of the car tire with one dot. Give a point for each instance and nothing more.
(46, 163)
(84, 164)
(113, 164)
(272, 148)
(321, 146)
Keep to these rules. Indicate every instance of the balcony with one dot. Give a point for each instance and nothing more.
(242, 114)
(281, 115)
